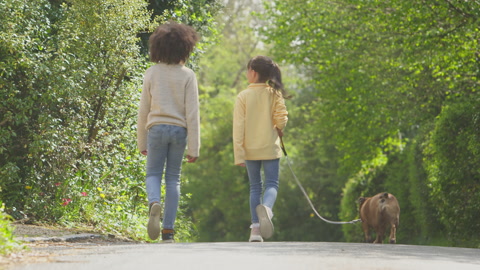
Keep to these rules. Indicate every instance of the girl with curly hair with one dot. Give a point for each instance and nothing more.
(168, 121)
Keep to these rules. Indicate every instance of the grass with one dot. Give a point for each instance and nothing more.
(8, 243)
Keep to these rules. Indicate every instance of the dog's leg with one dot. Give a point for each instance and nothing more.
(393, 233)
(366, 231)
(380, 230)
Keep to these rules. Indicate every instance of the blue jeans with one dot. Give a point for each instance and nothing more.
(166, 146)
(271, 170)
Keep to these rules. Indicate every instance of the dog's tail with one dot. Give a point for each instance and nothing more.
(389, 206)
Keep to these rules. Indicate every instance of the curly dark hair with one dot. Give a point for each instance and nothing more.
(172, 43)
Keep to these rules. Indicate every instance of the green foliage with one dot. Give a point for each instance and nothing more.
(402, 175)
(420, 205)
(219, 204)
(315, 162)
(7, 242)
(385, 99)
(367, 183)
(71, 74)
(219, 190)
(369, 66)
(376, 76)
(200, 14)
(454, 175)
(73, 90)
(21, 39)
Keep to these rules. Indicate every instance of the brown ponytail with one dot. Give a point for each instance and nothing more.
(269, 73)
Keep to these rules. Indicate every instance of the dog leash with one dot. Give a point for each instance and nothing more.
(306, 195)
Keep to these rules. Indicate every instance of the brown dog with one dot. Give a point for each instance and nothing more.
(379, 212)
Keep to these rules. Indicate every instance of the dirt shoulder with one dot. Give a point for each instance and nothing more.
(29, 231)
(51, 233)
(41, 242)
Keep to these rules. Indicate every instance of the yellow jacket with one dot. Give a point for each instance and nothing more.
(258, 112)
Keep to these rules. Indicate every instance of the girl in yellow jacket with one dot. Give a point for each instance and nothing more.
(260, 115)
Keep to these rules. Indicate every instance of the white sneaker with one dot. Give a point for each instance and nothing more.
(153, 227)
(265, 215)
(255, 235)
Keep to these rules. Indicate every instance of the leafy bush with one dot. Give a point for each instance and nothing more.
(419, 215)
(71, 78)
(7, 242)
(454, 174)
(366, 183)
(74, 104)
(381, 69)
(402, 174)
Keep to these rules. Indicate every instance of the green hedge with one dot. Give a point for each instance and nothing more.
(436, 179)
(454, 171)
(400, 173)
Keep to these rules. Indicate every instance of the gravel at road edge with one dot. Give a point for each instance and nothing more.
(38, 239)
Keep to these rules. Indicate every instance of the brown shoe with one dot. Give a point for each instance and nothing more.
(167, 235)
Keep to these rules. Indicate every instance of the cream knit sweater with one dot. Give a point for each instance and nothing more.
(170, 96)
(258, 112)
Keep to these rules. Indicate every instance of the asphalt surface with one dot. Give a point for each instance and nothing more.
(251, 256)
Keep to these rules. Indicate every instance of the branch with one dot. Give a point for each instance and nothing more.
(4, 122)
(458, 9)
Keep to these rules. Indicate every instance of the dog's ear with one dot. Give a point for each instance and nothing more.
(361, 200)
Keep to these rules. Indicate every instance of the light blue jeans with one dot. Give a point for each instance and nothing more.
(270, 170)
(166, 146)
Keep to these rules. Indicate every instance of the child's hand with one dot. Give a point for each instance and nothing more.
(280, 132)
(241, 164)
(191, 159)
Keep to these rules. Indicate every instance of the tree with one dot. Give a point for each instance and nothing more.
(379, 74)
(71, 72)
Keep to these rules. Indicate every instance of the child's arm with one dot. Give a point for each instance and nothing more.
(280, 115)
(192, 107)
(239, 131)
(143, 110)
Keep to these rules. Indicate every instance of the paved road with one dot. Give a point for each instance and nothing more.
(265, 256)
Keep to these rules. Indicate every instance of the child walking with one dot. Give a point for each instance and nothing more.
(168, 121)
(260, 115)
